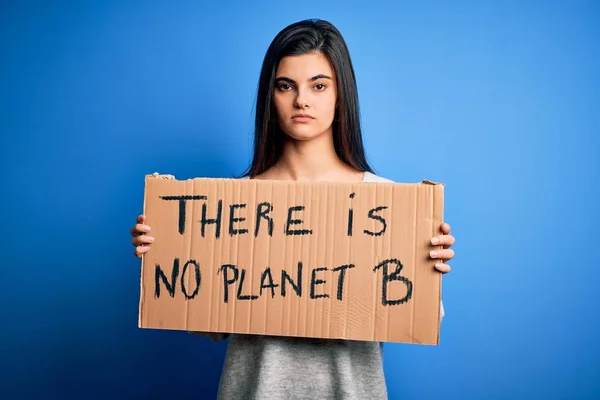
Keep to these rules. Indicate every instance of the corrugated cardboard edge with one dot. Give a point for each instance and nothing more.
(435, 231)
(155, 175)
(428, 182)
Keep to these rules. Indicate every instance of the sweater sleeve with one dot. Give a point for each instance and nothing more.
(214, 336)
(442, 312)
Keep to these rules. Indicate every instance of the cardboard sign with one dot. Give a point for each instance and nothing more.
(322, 260)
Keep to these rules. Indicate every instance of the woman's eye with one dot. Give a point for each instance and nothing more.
(284, 86)
(320, 86)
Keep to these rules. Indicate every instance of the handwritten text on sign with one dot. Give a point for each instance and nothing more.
(294, 225)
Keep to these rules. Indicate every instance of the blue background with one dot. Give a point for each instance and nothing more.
(499, 100)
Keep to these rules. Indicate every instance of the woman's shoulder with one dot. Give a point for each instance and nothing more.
(372, 177)
(368, 177)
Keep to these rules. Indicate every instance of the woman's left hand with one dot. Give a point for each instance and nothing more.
(446, 240)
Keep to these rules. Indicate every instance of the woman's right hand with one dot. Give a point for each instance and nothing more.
(141, 240)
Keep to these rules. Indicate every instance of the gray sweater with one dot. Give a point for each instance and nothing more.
(271, 367)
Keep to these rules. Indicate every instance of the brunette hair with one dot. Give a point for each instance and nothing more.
(303, 37)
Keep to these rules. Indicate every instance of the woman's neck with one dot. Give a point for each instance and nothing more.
(312, 160)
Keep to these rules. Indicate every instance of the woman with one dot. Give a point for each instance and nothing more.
(307, 129)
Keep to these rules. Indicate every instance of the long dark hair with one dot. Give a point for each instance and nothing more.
(300, 38)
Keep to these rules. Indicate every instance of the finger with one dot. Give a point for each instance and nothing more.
(141, 250)
(445, 254)
(141, 219)
(444, 240)
(445, 228)
(443, 268)
(142, 240)
(139, 229)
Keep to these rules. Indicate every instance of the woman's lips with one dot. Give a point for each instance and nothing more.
(302, 119)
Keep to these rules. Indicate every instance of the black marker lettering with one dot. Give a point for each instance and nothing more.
(342, 269)
(378, 218)
(198, 278)
(160, 275)
(394, 276)
(226, 281)
(291, 221)
(350, 217)
(314, 282)
(182, 200)
(267, 274)
(233, 220)
(241, 296)
(263, 214)
(285, 276)
(217, 221)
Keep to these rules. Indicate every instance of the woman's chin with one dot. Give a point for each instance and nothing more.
(304, 134)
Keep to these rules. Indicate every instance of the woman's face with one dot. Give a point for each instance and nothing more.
(305, 95)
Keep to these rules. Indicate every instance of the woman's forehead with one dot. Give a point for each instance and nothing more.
(305, 66)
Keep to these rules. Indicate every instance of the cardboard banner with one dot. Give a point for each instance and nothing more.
(322, 260)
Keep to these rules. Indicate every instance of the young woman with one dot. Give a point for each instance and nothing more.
(307, 129)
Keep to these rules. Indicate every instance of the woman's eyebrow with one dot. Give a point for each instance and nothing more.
(320, 76)
(314, 78)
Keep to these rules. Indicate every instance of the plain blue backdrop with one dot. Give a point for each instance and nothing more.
(498, 100)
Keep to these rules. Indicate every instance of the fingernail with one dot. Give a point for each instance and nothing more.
(150, 239)
(435, 240)
(146, 228)
(433, 254)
